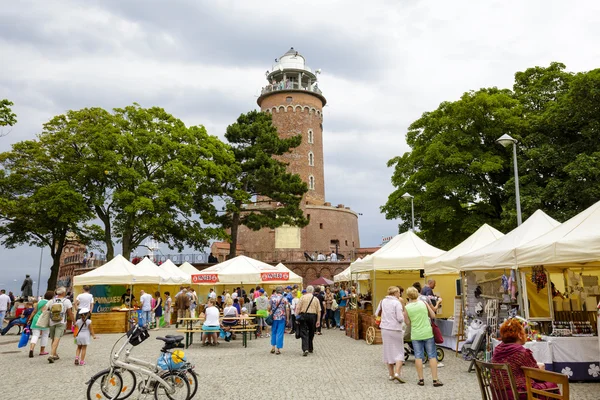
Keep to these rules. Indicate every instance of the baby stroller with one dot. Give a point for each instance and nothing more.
(410, 351)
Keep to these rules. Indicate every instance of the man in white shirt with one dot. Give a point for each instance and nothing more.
(146, 303)
(4, 306)
(212, 294)
(321, 257)
(333, 257)
(84, 300)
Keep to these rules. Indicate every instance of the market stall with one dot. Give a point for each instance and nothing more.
(177, 274)
(242, 270)
(108, 282)
(188, 268)
(569, 256)
(398, 263)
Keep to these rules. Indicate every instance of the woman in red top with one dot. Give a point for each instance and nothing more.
(512, 352)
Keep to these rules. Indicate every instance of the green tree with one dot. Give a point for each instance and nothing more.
(7, 117)
(461, 178)
(144, 173)
(39, 203)
(258, 191)
(455, 170)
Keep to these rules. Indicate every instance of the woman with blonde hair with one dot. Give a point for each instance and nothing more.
(421, 334)
(230, 315)
(392, 332)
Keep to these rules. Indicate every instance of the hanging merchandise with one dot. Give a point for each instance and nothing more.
(538, 276)
(477, 292)
(512, 283)
(504, 284)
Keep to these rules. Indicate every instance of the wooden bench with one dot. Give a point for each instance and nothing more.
(189, 335)
(246, 331)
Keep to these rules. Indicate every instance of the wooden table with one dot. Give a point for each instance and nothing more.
(245, 329)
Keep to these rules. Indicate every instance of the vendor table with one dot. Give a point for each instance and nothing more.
(577, 357)
(446, 329)
(110, 322)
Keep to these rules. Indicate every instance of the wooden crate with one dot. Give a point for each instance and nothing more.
(351, 324)
(111, 322)
(369, 320)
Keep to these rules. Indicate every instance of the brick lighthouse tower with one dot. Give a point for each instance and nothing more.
(294, 100)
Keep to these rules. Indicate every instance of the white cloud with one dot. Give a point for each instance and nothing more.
(384, 63)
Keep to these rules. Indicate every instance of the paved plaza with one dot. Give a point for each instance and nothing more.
(340, 368)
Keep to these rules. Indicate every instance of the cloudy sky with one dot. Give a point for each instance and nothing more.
(384, 62)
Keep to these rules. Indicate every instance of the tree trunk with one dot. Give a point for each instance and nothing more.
(110, 248)
(56, 254)
(126, 245)
(235, 223)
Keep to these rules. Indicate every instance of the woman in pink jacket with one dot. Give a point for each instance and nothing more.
(392, 332)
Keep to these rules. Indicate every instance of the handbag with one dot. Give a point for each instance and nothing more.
(43, 320)
(302, 316)
(437, 333)
(269, 319)
(25, 337)
(378, 316)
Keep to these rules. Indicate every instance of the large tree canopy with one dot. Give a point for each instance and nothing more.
(39, 201)
(461, 178)
(144, 173)
(260, 192)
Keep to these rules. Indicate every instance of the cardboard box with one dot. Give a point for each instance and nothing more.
(558, 305)
(566, 305)
(590, 303)
(575, 304)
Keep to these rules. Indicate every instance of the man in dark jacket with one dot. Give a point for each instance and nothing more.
(27, 287)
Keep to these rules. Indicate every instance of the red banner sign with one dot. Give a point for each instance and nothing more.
(205, 278)
(274, 276)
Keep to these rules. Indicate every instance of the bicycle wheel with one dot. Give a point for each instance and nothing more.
(106, 384)
(129, 383)
(179, 387)
(192, 379)
(440, 354)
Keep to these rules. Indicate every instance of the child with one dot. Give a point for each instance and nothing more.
(21, 319)
(82, 339)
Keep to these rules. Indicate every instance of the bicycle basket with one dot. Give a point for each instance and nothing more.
(137, 336)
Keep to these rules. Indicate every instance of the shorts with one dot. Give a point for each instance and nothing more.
(211, 328)
(420, 346)
(260, 321)
(57, 331)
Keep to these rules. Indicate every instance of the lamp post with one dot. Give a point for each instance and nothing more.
(39, 280)
(407, 196)
(506, 140)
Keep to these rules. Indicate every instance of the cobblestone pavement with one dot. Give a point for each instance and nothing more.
(339, 368)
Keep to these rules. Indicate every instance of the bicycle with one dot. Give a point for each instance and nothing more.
(170, 377)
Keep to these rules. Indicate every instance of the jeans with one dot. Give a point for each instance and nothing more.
(2, 315)
(293, 324)
(336, 317)
(277, 332)
(420, 346)
(146, 318)
(12, 323)
(329, 318)
(307, 331)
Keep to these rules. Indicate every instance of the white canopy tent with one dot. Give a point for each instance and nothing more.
(188, 269)
(405, 252)
(165, 278)
(575, 242)
(501, 254)
(345, 276)
(447, 263)
(118, 271)
(294, 277)
(242, 270)
(175, 274)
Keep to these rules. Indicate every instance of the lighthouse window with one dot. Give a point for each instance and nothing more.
(311, 182)
(310, 136)
(311, 159)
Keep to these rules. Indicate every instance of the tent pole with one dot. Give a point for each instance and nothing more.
(374, 290)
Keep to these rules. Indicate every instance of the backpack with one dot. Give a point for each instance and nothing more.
(57, 311)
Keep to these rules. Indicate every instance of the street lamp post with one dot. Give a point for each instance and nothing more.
(506, 140)
(407, 196)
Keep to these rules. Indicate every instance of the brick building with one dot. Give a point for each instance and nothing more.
(294, 100)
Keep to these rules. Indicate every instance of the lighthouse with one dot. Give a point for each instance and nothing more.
(295, 101)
